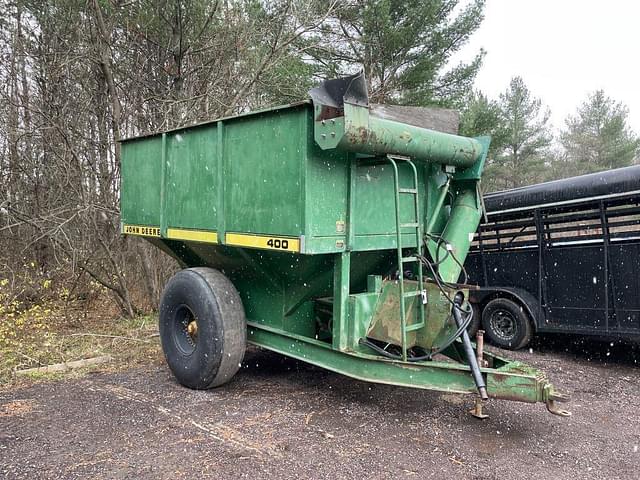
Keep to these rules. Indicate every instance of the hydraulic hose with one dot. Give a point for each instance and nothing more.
(468, 349)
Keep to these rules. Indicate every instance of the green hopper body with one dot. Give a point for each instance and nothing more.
(306, 228)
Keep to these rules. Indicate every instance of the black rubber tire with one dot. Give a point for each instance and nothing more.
(506, 324)
(476, 320)
(213, 355)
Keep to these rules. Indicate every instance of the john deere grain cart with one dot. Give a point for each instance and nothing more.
(332, 231)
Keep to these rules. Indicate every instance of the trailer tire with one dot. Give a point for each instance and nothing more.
(506, 324)
(203, 328)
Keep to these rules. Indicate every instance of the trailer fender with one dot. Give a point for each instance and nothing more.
(484, 295)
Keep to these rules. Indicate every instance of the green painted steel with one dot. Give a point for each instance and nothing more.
(188, 210)
(264, 174)
(307, 233)
(140, 202)
(466, 210)
(360, 132)
(438, 323)
(508, 380)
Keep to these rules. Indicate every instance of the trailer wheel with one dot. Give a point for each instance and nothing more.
(506, 324)
(202, 327)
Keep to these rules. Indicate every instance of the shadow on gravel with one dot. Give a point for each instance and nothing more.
(270, 364)
(342, 393)
(586, 348)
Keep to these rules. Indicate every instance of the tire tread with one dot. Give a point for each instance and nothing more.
(234, 323)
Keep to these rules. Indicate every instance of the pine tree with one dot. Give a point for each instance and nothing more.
(404, 46)
(527, 139)
(483, 116)
(598, 137)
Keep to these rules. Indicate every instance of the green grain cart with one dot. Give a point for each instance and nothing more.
(332, 231)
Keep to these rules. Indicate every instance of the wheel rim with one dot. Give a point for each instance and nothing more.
(185, 330)
(504, 325)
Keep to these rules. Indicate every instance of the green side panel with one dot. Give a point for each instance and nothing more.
(375, 201)
(140, 187)
(264, 159)
(326, 190)
(190, 179)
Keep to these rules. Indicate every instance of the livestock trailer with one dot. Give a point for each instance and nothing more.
(332, 231)
(560, 257)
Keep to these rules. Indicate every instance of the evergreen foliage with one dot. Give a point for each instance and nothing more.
(598, 137)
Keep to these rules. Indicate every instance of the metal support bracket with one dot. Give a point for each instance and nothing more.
(551, 397)
(476, 411)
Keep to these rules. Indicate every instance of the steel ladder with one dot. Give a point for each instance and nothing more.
(402, 260)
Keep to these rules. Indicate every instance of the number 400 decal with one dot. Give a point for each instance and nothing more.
(278, 243)
(259, 241)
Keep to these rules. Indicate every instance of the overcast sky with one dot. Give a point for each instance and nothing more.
(563, 49)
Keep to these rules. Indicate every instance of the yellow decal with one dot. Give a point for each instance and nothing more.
(286, 244)
(142, 230)
(192, 235)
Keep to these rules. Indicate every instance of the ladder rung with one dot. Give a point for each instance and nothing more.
(413, 293)
(417, 326)
(414, 191)
(399, 157)
(412, 224)
(409, 259)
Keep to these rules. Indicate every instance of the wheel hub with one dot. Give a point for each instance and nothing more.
(185, 329)
(192, 328)
(504, 325)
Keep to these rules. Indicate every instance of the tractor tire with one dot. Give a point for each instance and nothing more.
(506, 324)
(203, 328)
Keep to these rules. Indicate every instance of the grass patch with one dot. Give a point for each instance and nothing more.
(48, 334)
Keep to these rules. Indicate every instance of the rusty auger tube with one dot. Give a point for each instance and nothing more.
(468, 349)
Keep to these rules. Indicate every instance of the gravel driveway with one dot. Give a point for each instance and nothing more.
(282, 419)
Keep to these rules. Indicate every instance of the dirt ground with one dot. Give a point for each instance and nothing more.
(282, 419)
